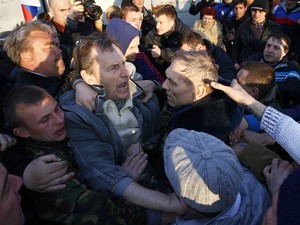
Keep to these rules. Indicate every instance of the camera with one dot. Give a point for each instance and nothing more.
(94, 11)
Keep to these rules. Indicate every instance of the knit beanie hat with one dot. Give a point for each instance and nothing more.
(122, 32)
(289, 200)
(260, 5)
(202, 170)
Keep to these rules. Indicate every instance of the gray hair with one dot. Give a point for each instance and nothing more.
(198, 67)
(18, 39)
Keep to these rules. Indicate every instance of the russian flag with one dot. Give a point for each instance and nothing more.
(30, 8)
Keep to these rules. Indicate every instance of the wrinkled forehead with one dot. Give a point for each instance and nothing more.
(133, 15)
(277, 42)
(60, 4)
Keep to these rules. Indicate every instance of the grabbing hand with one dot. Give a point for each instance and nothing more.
(276, 173)
(85, 96)
(47, 173)
(155, 51)
(6, 141)
(134, 165)
(261, 138)
(235, 135)
(148, 87)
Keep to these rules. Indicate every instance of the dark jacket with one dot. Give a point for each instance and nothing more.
(168, 44)
(215, 114)
(148, 22)
(196, 8)
(68, 36)
(24, 77)
(222, 59)
(245, 43)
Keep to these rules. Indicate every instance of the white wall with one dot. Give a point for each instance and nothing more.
(10, 14)
(182, 7)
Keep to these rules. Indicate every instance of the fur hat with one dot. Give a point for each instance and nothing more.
(260, 5)
(202, 170)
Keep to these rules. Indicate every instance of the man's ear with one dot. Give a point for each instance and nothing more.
(254, 92)
(200, 47)
(26, 56)
(88, 78)
(285, 52)
(199, 92)
(51, 11)
(21, 132)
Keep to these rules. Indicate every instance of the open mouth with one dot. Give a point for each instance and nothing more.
(61, 130)
(123, 85)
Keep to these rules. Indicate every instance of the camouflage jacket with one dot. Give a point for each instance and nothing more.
(76, 204)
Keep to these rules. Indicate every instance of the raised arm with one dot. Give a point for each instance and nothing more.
(283, 129)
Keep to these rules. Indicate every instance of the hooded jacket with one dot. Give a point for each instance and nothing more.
(124, 33)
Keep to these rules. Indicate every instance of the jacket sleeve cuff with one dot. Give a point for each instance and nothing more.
(270, 120)
(121, 186)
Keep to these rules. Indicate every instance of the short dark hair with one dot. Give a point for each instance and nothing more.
(192, 39)
(237, 2)
(24, 96)
(128, 8)
(261, 76)
(283, 39)
(167, 10)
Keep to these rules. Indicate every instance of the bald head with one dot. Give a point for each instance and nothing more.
(60, 10)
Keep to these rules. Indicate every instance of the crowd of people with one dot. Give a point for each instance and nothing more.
(145, 120)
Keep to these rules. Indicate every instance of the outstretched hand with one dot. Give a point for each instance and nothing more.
(235, 92)
(6, 141)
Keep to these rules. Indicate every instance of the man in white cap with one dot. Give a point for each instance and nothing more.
(207, 176)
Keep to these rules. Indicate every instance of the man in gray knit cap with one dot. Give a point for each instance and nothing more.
(207, 177)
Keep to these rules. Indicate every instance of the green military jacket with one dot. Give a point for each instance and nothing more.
(76, 204)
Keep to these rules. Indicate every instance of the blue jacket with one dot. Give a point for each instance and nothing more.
(224, 12)
(288, 22)
(96, 144)
(287, 77)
